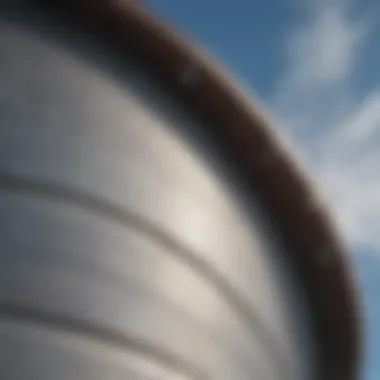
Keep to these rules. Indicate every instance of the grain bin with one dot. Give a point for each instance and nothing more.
(153, 225)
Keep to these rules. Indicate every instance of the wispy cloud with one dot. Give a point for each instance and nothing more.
(338, 133)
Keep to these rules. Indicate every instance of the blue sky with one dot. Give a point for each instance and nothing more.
(315, 64)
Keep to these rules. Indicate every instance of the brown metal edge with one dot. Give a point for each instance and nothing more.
(318, 252)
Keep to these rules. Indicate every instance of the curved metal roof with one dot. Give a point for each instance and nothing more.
(272, 172)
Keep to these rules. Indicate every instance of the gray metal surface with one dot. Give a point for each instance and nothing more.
(128, 248)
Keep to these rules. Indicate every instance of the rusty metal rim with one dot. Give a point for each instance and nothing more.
(250, 140)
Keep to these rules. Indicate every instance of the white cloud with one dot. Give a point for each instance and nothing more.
(324, 52)
(338, 135)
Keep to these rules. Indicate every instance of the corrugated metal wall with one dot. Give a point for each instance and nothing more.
(127, 246)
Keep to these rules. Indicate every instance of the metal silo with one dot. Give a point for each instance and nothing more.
(153, 226)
